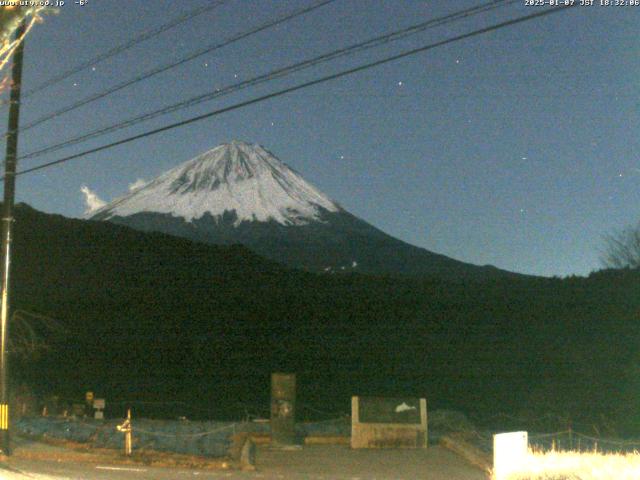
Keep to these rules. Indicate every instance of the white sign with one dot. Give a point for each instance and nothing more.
(403, 407)
(99, 403)
(510, 452)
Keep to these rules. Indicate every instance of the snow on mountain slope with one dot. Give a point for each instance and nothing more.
(234, 177)
(239, 193)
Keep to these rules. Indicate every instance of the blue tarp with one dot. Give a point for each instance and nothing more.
(211, 439)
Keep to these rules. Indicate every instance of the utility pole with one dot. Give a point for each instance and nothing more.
(7, 224)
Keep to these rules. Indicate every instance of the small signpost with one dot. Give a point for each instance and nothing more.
(98, 405)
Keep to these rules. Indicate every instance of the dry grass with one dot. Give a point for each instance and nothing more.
(555, 465)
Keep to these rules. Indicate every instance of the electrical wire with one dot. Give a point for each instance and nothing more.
(277, 73)
(151, 73)
(122, 48)
(304, 85)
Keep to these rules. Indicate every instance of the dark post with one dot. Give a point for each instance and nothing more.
(283, 408)
(7, 223)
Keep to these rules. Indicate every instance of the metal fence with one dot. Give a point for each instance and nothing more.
(565, 440)
(577, 441)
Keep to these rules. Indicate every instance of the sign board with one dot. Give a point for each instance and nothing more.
(88, 397)
(378, 422)
(99, 403)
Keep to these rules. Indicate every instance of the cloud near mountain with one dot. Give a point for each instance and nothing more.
(92, 201)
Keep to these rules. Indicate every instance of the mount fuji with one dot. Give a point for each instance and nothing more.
(240, 193)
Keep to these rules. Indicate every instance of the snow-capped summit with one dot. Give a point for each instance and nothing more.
(236, 177)
(239, 193)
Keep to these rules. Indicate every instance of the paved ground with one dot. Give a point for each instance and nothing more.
(322, 462)
(340, 462)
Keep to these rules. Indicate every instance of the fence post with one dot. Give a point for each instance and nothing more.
(570, 438)
(127, 429)
(128, 438)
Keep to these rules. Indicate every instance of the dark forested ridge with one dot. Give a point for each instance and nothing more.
(154, 317)
(339, 242)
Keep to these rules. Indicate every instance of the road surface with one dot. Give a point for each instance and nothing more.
(322, 462)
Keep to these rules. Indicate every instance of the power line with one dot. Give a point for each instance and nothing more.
(164, 68)
(301, 86)
(123, 47)
(278, 73)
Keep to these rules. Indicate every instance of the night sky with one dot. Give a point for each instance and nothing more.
(518, 148)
